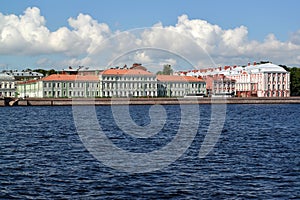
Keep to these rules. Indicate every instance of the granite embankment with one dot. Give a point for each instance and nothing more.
(144, 101)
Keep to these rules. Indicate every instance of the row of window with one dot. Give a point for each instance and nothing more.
(175, 93)
(71, 84)
(274, 79)
(276, 94)
(275, 88)
(224, 85)
(127, 94)
(128, 78)
(7, 85)
(71, 93)
(182, 85)
(6, 94)
(128, 85)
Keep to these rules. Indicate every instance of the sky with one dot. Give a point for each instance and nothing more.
(186, 34)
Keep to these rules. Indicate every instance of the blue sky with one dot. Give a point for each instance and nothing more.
(260, 17)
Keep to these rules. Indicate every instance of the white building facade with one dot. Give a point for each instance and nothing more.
(265, 80)
(257, 80)
(180, 86)
(7, 85)
(127, 83)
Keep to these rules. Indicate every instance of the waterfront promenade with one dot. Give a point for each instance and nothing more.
(148, 101)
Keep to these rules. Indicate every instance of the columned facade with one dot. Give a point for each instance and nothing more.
(127, 83)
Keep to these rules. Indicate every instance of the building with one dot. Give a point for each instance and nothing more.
(265, 80)
(7, 85)
(257, 80)
(81, 70)
(179, 86)
(25, 76)
(220, 85)
(124, 82)
(61, 85)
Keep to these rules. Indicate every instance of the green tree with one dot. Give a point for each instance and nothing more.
(45, 72)
(295, 81)
(167, 70)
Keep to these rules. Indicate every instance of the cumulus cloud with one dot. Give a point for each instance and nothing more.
(28, 35)
(188, 42)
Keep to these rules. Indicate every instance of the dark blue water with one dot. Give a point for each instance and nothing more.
(256, 156)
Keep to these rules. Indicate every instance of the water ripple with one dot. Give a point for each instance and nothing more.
(257, 156)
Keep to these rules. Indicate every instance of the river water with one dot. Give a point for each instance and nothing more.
(257, 155)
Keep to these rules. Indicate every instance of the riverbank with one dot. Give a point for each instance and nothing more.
(144, 101)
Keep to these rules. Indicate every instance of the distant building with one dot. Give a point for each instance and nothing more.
(7, 85)
(24, 76)
(265, 80)
(124, 82)
(179, 86)
(257, 80)
(81, 70)
(220, 85)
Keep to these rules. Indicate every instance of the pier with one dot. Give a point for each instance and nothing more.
(143, 101)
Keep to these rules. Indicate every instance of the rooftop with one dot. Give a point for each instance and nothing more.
(268, 67)
(132, 72)
(172, 78)
(25, 74)
(67, 77)
(6, 77)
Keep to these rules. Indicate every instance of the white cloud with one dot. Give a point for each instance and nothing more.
(88, 42)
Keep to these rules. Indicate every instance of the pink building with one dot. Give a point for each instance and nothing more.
(257, 80)
(264, 80)
(220, 85)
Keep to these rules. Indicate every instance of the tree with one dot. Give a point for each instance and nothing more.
(167, 70)
(45, 72)
(295, 81)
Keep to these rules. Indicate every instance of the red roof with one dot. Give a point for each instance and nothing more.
(28, 81)
(172, 78)
(126, 72)
(67, 77)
